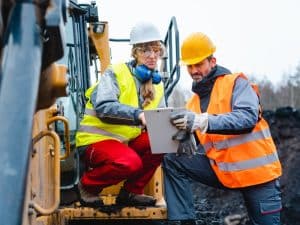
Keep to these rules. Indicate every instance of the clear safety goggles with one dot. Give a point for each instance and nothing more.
(149, 51)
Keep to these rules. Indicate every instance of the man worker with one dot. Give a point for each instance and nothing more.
(235, 151)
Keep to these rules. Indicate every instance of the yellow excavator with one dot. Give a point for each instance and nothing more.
(47, 50)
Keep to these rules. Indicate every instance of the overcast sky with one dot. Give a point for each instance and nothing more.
(257, 37)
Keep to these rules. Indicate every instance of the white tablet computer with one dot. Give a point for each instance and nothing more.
(160, 130)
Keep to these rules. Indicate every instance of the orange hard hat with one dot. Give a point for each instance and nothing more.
(195, 48)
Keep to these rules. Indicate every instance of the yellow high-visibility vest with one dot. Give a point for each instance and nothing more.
(93, 130)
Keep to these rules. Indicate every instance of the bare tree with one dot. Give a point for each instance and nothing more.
(268, 97)
(285, 94)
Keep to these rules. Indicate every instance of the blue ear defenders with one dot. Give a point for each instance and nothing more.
(143, 74)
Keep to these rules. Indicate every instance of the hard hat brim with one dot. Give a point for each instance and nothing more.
(188, 62)
(144, 41)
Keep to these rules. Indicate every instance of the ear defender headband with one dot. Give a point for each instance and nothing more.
(143, 74)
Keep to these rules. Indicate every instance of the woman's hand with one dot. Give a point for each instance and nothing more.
(142, 118)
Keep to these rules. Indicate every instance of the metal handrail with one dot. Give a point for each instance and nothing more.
(119, 39)
(56, 174)
(66, 133)
(174, 68)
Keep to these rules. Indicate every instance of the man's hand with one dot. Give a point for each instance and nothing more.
(190, 121)
(187, 143)
(183, 120)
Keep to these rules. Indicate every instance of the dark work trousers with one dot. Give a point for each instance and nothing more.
(263, 201)
(110, 162)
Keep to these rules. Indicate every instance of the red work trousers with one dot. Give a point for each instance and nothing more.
(110, 162)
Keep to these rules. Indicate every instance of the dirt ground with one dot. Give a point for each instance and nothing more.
(216, 207)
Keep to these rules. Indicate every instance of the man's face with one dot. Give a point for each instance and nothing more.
(200, 70)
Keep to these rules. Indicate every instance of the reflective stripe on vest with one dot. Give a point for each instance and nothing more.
(93, 130)
(90, 112)
(96, 130)
(238, 140)
(238, 160)
(248, 164)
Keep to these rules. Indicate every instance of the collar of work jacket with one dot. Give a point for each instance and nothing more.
(204, 87)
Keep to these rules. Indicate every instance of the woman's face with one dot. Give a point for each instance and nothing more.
(148, 54)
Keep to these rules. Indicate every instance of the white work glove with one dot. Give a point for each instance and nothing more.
(190, 121)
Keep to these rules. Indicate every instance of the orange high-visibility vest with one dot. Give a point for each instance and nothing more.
(238, 160)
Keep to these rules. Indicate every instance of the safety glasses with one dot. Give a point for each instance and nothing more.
(150, 51)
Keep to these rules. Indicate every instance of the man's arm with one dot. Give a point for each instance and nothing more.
(244, 115)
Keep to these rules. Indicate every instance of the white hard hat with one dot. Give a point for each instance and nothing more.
(144, 32)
